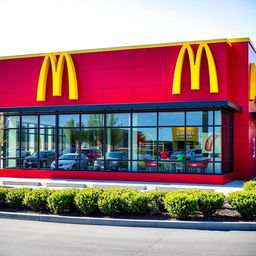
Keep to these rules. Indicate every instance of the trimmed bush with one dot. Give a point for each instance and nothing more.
(249, 186)
(244, 202)
(156, 200)
(37, 199)
(209, 202)
(15, 197)
(180, 204)
(86, 200)
(133, 202)
(3, 195)
(61, 201)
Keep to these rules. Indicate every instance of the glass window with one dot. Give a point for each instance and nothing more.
(92, 120)
(92, 145)
(118, 140)
(69, 120)
(217, 117)
(144, 119)
(47, 121)
(68, 141)
(172, 118)
(11, 121)
(11, 146)
(118, 119)
(29, 121)
(199, 118)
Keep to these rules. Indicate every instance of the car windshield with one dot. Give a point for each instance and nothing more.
(68, 157)
(113, 154)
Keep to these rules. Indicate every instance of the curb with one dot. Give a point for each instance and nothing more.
(199, 225)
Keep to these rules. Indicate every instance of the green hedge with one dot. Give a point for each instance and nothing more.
(209, 202)
(181, 204)
(249, 186)
(244, 202)
(86, 200)
(61, 201)
(3, 195)
(37, 199)
(15, 197)
(156, 201)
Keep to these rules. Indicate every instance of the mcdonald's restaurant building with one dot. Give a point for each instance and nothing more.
(177, 112)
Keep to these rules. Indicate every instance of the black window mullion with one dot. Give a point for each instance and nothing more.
(185, 145)
(131, 141)
(104, 140)
(214, 141)
(38, 139)
(20, 142)
(157, 140)
(57, 142)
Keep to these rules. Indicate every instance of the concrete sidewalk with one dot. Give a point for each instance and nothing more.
(142, 186)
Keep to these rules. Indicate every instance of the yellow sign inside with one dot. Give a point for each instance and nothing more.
(178, 133)
(252, 81)
(195, 65)
(57, 67)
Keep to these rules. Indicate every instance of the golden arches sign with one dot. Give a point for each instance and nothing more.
(57, 67)
(252, 93)
(195, 66)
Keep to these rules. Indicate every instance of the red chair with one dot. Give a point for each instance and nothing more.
(200, 166)
(150, 164)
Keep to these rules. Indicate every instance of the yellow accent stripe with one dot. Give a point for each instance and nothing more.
(229, 41)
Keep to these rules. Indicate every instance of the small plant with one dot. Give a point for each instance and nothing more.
(180, 204)
(209, 202)
(15, 197)
(250, 185)
(244, 202)
(62, 201)
(3, 195)
(86, 200)
(37, 199)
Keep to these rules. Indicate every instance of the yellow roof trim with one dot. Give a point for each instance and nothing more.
(229, 41)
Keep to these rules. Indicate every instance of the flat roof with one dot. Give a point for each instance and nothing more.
(229, 41)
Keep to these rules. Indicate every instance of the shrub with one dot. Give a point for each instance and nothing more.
(3, 194)
(209, 202)
(133, 202)
(86, 200)
(250, 185)
(37, 199)
(61, 201)
(156, 200)
(15, 197)
(244, 202)
(180, 204)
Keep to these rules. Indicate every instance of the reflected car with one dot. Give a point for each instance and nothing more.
(175, 154)
(115, 161)
(92, 153)
(69, 150)
(45, 159)
(71, 161)
(191, 154)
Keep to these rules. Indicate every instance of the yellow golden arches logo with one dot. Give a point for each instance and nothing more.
(252, 95)
(195, 65)
(57, 74)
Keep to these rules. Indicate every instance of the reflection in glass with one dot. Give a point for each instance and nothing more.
(11, 143)
(144, 119)
(11, 121)
(172, 118)
(92, 120)
(199, 118)
(29, 121)
(69, 120)
(217, 117)
(47, 121)
(11, 163)
(118, 119)
(68, 140)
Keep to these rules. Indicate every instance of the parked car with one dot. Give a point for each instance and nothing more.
(92, 153)
(115, 161)
(45, 159)
(71, 161)
(191, 154)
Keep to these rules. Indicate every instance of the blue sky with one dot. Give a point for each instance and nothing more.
(35, 26)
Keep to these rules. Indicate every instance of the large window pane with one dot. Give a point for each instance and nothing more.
(11, 143)
(199, 118)
(172, 118)
(69, 120)
(47, 121)
(92, 120)
(118, 119)
(92, 145)
(29, 121)
(68, 140)
(144, 119)
(11, 121)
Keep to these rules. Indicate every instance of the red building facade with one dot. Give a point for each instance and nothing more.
(179, 112)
